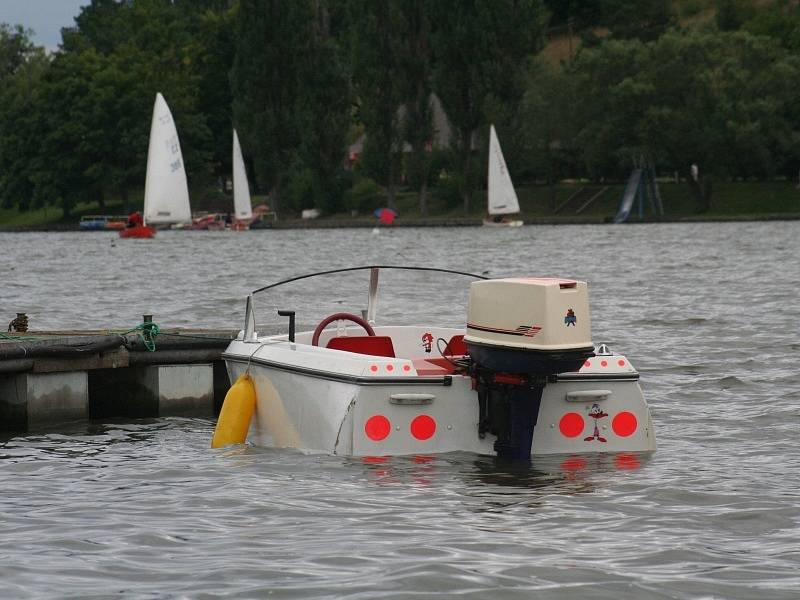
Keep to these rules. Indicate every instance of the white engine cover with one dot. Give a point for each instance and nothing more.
(529, 314)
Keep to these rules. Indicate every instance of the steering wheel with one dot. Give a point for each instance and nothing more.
(340, 317)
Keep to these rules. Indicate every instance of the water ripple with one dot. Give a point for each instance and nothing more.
(144, 509)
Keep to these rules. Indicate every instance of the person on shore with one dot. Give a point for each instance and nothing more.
(134, 220)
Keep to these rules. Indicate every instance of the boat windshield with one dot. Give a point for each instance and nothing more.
(408, 296)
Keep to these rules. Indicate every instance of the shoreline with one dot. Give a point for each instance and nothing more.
(334, 223)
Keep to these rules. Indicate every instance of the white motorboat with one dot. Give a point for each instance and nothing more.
(501, 195)
(522, 377)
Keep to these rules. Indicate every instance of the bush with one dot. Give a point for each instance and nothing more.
(364, 196)
(339, 183)
(302, 190)
(448, 190)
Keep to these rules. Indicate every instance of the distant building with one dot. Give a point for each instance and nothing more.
(442, 132)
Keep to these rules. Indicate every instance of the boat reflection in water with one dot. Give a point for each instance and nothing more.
(507, 482)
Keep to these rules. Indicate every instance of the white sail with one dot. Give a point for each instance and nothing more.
(502, 197)
(242, 207)
(166, 194)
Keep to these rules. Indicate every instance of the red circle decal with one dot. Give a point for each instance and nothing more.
(603, 363)
(571, 425)
(423, 427)
(377, 428)
(621, 362)
(624, 424)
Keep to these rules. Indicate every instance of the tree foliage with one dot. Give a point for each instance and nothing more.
(480, 49)
(299, 79)
(723, 101)
(290, 94)
(22, 68)
(416, 60)
(375, 39)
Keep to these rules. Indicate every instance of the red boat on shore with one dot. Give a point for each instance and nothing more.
(141, 231)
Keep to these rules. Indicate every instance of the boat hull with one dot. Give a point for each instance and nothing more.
(140, 231)
(490, 223)
(318, 405)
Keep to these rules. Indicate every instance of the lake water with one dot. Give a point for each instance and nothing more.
(145, 509)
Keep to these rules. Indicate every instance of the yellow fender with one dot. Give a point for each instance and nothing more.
(237, 411)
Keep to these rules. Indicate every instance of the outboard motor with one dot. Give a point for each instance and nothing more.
(520, 333)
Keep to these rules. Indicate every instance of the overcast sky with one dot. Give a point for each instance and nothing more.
(45, 17)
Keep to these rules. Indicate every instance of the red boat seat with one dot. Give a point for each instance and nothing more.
(456, 346)
(373, 345)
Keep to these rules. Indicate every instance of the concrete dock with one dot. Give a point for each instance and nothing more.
(59, 376)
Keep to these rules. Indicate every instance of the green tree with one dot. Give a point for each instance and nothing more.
(416, 72)
(578, 13)
(16, 48)
(549, 124)
(71, 141)
(734, 106)
(480, 49)
(613, 95)
(101, 88)
(780, 21)
(376, 38)
(264, 87)
(723, 101)
(324, 115)
(732, 14)
(645, 20)
(22, 67)
(290, 93)
(215, 49)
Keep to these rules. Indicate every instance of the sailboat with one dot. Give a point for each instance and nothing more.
(502, 198)
(166, 193)
(242, 207)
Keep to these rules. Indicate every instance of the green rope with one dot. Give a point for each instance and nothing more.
(16, 338)
(147, 332)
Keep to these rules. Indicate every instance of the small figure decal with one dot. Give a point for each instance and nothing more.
(427, 341)
(570, 319)
(596, 413)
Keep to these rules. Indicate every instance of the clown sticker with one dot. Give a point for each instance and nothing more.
(596, 413)
(427, 341)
